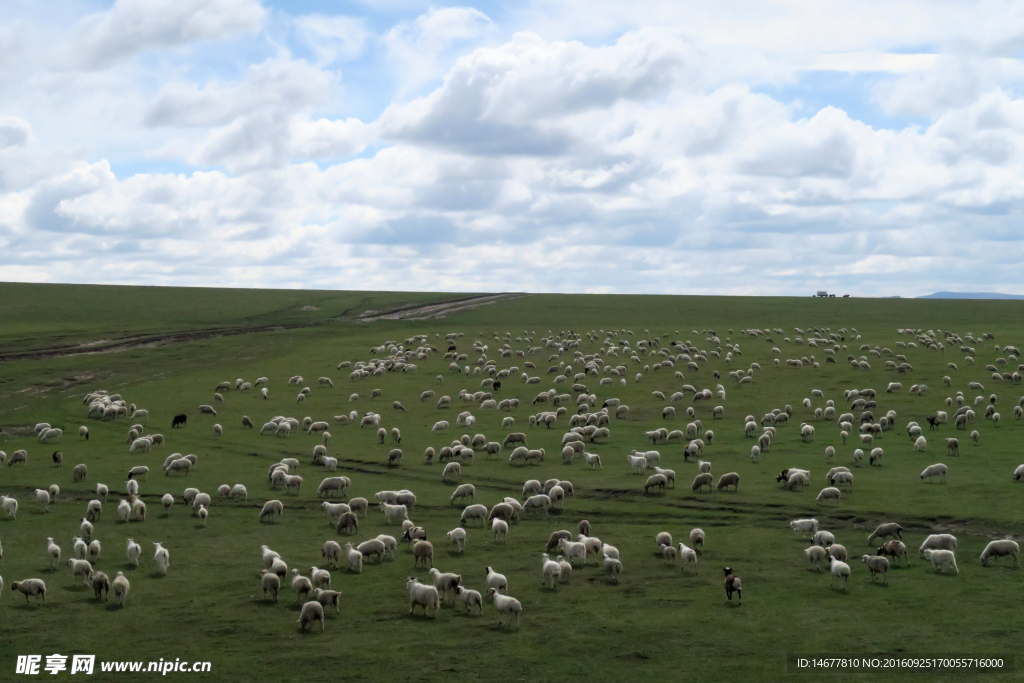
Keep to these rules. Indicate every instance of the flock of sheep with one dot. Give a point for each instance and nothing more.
(576, 364)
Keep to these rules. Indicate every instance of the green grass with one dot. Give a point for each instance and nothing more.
(656, 623)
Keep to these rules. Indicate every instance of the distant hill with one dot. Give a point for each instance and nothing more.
(971, 295)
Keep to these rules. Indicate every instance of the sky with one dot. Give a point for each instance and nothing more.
(735, 147)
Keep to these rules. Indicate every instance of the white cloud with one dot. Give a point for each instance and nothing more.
(415, 47)
(14, 132)
(333, 38)
(599, 147)
(131, 26)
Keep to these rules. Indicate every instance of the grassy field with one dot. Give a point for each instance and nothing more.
(657, 623)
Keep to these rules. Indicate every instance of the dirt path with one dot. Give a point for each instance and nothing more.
(441, 310)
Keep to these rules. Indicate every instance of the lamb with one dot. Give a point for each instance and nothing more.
(312, 612)
(30, 587)
(941, 559)
(423, 551)
(134, 551)
(422, 595)
(1000, 549)
(120, 587)
(932, 471)
(506, 605)
(495, 581)
(876, 565)
(272, 509)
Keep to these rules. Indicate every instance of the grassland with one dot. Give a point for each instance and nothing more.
(657, 624)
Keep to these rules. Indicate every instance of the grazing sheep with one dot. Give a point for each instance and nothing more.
(885, 531)
(461, 492)
(1001, 548)
(894, 549)
(829, 493)
(272, 509)
(702, 480)
(727, 480)
(311, 613)
(938, 542)
(500, 529)
(932, 471)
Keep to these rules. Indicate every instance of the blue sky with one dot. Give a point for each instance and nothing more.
(736, 147)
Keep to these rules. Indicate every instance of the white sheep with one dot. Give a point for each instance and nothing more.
(829, 493)
(815, 554)
(134, 551)
(876, 565)
(120, 586)
(162, 557)
(457, 536)
(425, 596)
(1001, 548)
(941, 559)
(506, 605)
(312, 611)
(495, 581)
(80, 568)
(688, 556)
(932, 471)
(53, 551)
(839, 570)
